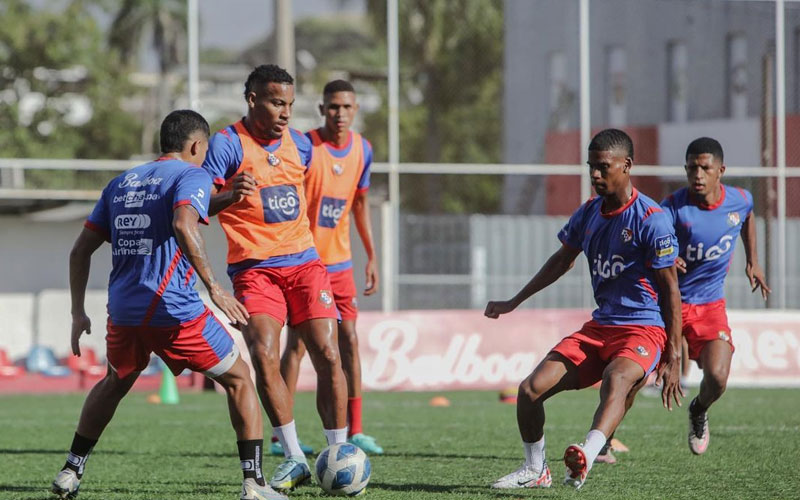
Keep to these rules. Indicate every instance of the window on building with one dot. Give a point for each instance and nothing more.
(617, 68)
(677, 82)
(737, 76)
(560, 100)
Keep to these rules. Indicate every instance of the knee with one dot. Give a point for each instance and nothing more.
(263, 358)
(617, 383)
(348, 340)
(327, 357)
(529, 390)
(717, 378)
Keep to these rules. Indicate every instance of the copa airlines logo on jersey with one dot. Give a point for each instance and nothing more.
(133, 246)
(281, 203)
(714, 252)
(608, 268)
(330, 211)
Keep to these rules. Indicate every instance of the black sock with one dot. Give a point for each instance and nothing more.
(79, 454)
(250, 457)
(696, 408)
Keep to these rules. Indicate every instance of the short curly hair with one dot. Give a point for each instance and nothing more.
(264, 74)
(610, 139)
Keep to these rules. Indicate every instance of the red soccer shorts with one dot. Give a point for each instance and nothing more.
(594, 346)
(703, 323)
(202, 345)
(299, 292)
(345, 293)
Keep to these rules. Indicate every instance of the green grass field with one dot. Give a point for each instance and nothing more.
(189, 451)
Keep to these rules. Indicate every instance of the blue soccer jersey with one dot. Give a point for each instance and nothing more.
(622, 248)
(151, 281)
(707, 236)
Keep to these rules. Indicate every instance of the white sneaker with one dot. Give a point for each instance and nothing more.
(577, 467)
(699, 436)
(66, 484)
(251, 490)
(525, 477)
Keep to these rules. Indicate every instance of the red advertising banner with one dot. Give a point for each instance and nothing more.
(450, 350)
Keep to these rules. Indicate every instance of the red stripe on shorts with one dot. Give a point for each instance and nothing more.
(163, 286)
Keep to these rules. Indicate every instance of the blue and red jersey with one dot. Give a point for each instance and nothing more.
(151, 281)
(707, 236)
(335, 176)
(623, 248)
(270, 229)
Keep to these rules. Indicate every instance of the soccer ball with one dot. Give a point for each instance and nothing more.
(343, 470)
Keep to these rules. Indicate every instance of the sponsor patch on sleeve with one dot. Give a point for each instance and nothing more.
(664, 246)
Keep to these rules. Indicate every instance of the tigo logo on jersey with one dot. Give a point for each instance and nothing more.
(664, 246)
(132, 221)
(325, 298)
(281, 203)
(330, 211)
(714, 252)
(733, 219)
(627, 235)
(608, 269)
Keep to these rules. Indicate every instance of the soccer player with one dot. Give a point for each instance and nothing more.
(708, 217)
(630, 246)
(337, 182)
(150, 216)
(258, 166)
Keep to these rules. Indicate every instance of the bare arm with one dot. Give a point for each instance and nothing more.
(752, 269)
(364, 225)
(244, 185)
(555, 267)
(80, 261)
(187, 232)
(670, 302)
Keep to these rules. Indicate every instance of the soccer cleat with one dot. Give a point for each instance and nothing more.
(251, 490)
(276, 448)
(577, 466)
(698, 433)
(525, 477)
(605, 456)
(66, 484)
(290, 474)
(366, 443)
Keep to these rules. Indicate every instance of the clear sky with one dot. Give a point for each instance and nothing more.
(237, 24)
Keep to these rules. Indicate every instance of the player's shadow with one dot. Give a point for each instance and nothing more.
(39, 451)
(482, 489)
(445, 455)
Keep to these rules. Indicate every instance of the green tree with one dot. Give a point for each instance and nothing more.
(164, 21)
(60, 89)
(451, 62)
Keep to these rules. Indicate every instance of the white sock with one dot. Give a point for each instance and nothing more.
(534, 454)
(336, 436)
(595, 440)
(287, 435)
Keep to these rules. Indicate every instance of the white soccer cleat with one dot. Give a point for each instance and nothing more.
(699, 435)
(525, 477)
(251, 490)
(577, 466)
(66, 484)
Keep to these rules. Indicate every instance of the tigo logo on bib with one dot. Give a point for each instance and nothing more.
(330, 211)
(281, 203)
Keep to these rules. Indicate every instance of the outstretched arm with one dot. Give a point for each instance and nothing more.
(187, 232)
(555, 267)
(753, 270)
(669, 370)
(364, 225)
(80, 261)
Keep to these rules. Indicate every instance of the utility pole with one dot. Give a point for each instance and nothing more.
(284, 35)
